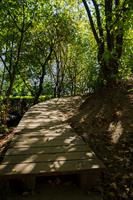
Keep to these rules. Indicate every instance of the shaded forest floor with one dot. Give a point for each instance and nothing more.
(105, 120)
(51, 188)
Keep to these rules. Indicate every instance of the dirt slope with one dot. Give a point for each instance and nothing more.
(105, 120)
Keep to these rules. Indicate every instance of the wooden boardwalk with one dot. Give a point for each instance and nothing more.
(45, 144)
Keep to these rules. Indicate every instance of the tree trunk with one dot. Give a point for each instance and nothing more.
(109, 71)
(108, 35)
(40, 89)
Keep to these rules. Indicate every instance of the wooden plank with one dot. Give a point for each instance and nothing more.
(38, 142)
(43, 137)
(40, 157)
(42, 118)
(20, 145)
(33, 122)
(44, 128)
(44, 113)
(57, 124)
(49, 167)
(44, 149)
(45, 132)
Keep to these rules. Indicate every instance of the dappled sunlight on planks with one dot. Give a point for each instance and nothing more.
(45, 143)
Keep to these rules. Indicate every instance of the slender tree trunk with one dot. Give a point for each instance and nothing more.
(40, 89)
(2, 81)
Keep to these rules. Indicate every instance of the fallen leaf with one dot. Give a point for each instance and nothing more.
(113, 185)
(125, 176)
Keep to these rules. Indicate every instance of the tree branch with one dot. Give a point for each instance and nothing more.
(4, 63)
(98, 17)
(13, 18)
(2, 81)
(108, 14)
(11, 53)
(91, 21)
(26, 84)
(117, 2)
(42, 76)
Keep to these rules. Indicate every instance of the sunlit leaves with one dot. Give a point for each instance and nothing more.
(37, 26)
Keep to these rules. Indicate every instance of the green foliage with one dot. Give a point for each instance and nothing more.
(3, 116)
(110, 22)
(3, 129)
(48, 49)
(55, 25)
(42, 97)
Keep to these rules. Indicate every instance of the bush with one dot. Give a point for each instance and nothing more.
(17, 106)
(20, 104)
(3, 129)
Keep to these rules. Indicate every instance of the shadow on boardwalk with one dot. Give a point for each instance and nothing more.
(46, 143)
